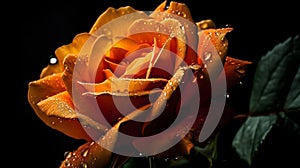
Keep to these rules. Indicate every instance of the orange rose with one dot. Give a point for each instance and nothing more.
(134, 75)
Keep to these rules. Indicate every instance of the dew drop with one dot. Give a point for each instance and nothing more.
(165, 93)
(207, 56)
(67, 164)
(240, 70)
(85, 153)
(83, 165)
(106, 32)
(67, 154)
(157, 29)
(194, 80)
(231, 62)
(182, 28)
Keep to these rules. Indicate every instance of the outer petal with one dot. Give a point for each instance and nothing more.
(180, 12)
(59, 105)
(212, 50)
(88, 155)
(176, 8)
(47, 87)
(114, 29)
(61, 52)
(235, 70)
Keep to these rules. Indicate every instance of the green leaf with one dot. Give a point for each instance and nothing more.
(275, 91)
(276, 79)
(251, 135)
(135, 162)
(292, 102)
(209, 151)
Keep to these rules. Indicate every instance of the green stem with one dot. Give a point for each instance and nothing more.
(150, 162)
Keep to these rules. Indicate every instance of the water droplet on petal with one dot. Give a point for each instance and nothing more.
(106, 32)
(67, 154)
(240, 70)
(85, 153)
(67, 164)
(207, 56)
(83, 165)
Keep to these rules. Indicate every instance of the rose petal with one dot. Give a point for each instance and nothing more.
(115, 94)
(137, 65)
(235, 70)
(67, 75)
(90, 155)
(169, 89)
(212, 43)
(179, 9)
(73, 48)
(146, 30)
(171, 143)
(48, 86)
(212, 50)
(168, 34)
(85, 111)
(124, 85)
(59, 105)
(125, 43)
(116, 54)
(111, 139)
(117, 69)
(180, 12)
(51, 69)
(100, 47)
(105, 24)
(206, 24)
(177, 31)
(183, 147)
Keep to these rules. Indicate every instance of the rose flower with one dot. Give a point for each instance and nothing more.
(138, 84)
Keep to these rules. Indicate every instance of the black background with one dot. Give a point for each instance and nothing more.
(45, 25)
